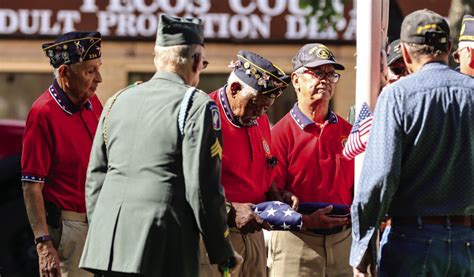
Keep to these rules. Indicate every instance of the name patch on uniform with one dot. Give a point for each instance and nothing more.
(216, 119)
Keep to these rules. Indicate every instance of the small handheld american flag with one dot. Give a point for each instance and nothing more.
(357, 140)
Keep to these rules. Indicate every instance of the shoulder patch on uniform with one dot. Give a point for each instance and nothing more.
(216, 119)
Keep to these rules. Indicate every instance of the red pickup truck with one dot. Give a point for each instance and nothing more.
(17, 251)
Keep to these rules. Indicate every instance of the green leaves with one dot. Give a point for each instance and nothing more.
(325, 11)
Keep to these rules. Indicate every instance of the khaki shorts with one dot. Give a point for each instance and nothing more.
(251, 247)
(69, 241)
(309, 254)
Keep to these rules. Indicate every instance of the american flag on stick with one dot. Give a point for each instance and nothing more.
(357, 140)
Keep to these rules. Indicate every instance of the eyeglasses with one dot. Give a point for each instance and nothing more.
(332, 77)
(456, 54)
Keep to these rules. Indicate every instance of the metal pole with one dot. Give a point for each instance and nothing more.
(372, 16)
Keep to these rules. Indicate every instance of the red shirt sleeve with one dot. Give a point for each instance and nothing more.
(37, 147)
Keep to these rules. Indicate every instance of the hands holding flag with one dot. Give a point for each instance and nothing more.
(280, 216)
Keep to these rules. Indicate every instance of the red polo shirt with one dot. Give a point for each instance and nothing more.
(56, 146)
(310, 162)
(246, 155)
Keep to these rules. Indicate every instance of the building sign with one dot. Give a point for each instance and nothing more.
(223, 20)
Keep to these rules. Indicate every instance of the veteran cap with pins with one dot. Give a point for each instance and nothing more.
(73, 47)
(260, 74)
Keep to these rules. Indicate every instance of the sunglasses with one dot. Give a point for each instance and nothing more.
(332, 77)
(456, 54)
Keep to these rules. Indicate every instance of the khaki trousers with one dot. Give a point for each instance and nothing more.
(69, 242)
(251, 247)
(308, 254)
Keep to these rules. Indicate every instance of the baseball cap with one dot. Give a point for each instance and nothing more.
(394, 52)
(425, 27)
(313, 55)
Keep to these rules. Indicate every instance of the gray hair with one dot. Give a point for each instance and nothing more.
(73, 67)
(419, 50)
(245, 89)
(173, 55)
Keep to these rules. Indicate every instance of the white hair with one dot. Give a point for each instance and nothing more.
(73, 67)
(245, 89)
(174, 55)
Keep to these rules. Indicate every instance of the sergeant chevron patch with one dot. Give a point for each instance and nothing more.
(216, 149)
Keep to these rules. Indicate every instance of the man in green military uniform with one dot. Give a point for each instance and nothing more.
(153, 176)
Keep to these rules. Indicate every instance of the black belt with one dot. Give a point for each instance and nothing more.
(332, 231)
(452, 220)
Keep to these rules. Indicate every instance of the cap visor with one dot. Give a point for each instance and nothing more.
(323, 62)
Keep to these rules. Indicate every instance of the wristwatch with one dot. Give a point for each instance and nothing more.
(42, 239)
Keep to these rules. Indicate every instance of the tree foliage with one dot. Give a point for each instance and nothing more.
(327, 15)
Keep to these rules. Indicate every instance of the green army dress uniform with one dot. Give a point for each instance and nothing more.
(152, 187)
(149, 193)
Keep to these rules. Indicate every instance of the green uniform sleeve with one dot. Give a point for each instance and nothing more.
(97, 167)
(202, 155)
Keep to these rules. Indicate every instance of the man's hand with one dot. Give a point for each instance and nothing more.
(231, 264)
(290, 199)
(365, 266)
(48, 260)
(320, 220)
(273, 194)
(245, 219)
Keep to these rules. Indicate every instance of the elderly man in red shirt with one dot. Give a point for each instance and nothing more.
(247, 158)
(56, 145)
(308, 144)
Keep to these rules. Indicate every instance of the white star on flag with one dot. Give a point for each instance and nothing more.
(288, 212)
(278, 203)
(285, 227)
(300, 225)
(271, 212)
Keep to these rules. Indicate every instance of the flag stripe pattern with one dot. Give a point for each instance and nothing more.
(357, 140)
(279, 215)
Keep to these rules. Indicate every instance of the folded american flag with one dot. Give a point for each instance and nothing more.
(279, 215)
(357, 140)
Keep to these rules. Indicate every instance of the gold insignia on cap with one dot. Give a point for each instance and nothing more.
(246, 64)
(65, 46)
(321, 52)
(427, 27)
